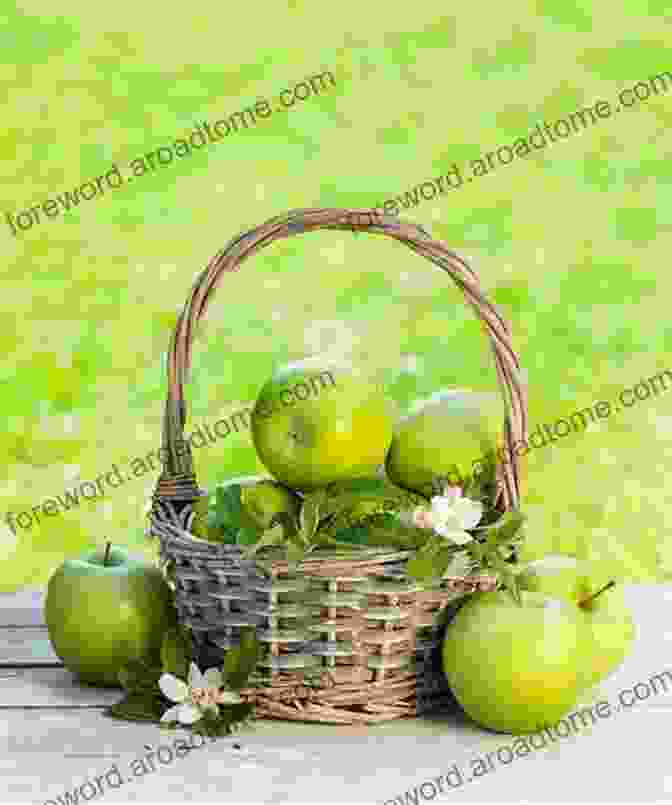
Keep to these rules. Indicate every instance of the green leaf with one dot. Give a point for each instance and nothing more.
(139, 677)
(309, 518)
(229, 502)
(287, 521)
(270, 537)
(228, 516)
(477, 551)
(247, 535)
(167, 568)
(138, 707)
(508, 576)
(295, 553)
(239, 712)
(387, 529)
(241, 660)
(506, 528)
(177, 652)
(422, 569)
(369, 496)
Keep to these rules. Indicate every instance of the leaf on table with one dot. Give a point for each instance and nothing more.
(137, 677)
(138, 707)
(177, 651)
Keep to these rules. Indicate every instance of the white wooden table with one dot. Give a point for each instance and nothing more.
(55, 738)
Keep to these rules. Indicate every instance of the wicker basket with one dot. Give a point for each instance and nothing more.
(346, 641)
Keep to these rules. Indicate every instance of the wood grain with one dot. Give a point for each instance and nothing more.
(26, 646)
(23, 608)
(48, 688)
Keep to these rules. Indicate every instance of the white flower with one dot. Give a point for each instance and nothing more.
(450, 515)
(453, 515)
(201, 694)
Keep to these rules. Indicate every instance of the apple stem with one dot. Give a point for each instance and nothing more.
(107, 553)
(592, 597)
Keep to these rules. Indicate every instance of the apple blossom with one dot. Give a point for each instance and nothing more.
(451, 515)
(193, 699)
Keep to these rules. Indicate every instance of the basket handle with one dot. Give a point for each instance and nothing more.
(178, 481)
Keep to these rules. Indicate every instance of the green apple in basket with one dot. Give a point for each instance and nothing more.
(106, 609)
(241, 509)
(587, 585)
(445, 435)
(316, 422)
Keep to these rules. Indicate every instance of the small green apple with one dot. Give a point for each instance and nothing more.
(516, 668)
(265, 500)
(586, 583)
(261, 499)
(104, 610)
(316, 422)
(444, 436)
(560, 576)
(612, 627)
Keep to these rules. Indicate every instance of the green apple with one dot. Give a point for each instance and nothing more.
(445, 435)
(612, 627)
(103, 610)
(586, 584)
(262, 500)
(560, 576)
(516, 668)
(316, 422)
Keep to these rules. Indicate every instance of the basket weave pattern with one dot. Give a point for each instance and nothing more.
(345, 640)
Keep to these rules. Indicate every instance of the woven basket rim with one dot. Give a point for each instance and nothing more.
(182, 537)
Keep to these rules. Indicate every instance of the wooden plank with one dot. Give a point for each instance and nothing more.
(48, 688)
(22, 608)
(26, 646)
(52, 752)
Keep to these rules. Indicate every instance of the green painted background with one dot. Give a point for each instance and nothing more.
(573, 242)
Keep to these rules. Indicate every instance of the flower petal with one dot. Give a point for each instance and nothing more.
(454, 535)
(469, 512)
(173, 714)
(452, 493)
(441, 508)
(407, 518)
(451, 522)
(213, 678)
(423, 519)
(173, 688)
(189, 713)
(196, 678)
(229, 697)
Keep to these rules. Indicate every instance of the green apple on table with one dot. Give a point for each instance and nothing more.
(516, 667)
(586, 584)
(105, 609)
(445, 435)
(338, 428)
